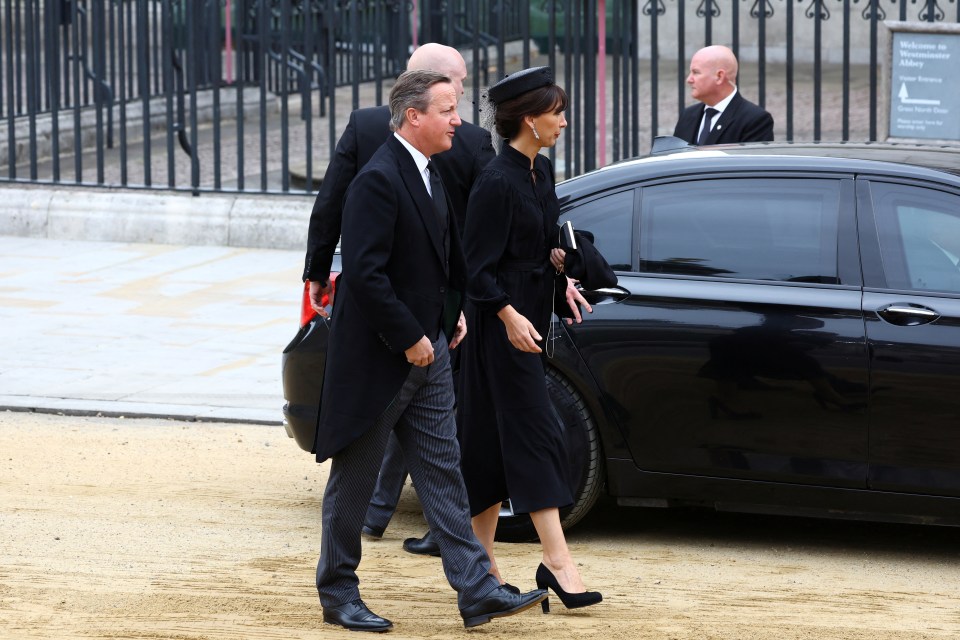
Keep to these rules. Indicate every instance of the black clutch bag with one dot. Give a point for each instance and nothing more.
(583, 262)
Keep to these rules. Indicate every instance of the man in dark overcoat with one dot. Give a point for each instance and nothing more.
(722, 115)
(366, 130)
(388, 363)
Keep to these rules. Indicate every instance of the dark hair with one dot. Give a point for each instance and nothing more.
(509, 114)
(412, 90)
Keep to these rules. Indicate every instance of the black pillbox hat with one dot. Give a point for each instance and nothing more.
(518, 83)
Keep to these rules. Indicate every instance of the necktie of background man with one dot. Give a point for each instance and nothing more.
(705, 129)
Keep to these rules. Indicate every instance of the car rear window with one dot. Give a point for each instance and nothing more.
(919, 231)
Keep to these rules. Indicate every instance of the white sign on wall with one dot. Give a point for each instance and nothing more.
(923, 93)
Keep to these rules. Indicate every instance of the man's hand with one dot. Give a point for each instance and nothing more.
(520, 331)
(420, 354)
(574, 300)
(460, 332)
(317, 291)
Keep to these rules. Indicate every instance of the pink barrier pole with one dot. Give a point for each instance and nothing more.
(602, 78)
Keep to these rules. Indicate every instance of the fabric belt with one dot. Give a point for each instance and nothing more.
(523, 265)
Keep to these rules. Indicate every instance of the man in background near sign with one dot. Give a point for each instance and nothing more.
(722, 115)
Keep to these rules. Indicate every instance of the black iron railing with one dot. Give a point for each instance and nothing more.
(251, 95)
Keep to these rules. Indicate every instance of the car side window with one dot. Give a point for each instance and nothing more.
(919, 232)
(781, 229)
(610, 220)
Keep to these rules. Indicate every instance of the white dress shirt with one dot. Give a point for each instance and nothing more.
(420, 159)
(720, 106)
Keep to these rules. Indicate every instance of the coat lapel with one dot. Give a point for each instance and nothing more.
(418, 192)
(723, 122)
(694, 116)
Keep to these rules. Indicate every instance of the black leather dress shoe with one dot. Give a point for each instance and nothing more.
(372, 532)
(425, 546)
(499, 603)
(356, 617)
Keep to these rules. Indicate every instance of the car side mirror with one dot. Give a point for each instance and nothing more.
(669, 144)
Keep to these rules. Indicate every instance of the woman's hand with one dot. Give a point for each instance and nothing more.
(556, 258)
(460, 332)
(520, 331)
(574, 301)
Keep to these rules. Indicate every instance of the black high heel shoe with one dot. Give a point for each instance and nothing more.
(545, 578)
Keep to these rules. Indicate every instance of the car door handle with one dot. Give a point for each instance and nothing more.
(907, 315)
(606, 295)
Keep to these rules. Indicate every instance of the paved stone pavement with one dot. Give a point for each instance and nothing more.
(188, 332)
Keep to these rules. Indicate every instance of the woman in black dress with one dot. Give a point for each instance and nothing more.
(511, 441)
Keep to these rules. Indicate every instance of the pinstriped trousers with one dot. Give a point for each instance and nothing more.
(422, 417)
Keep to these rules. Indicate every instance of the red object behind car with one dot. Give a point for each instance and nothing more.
(307, 312)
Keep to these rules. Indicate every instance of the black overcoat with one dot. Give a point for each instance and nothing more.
(741, 121)
(511, 441)
(391, 293)
(365, 132)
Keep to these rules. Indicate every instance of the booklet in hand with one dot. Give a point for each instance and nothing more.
(568, 240)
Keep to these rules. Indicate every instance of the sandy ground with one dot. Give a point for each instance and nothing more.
(113, 528)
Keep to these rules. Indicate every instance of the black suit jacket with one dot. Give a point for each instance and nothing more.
(396, 276)
(365, 132)
(741, 121)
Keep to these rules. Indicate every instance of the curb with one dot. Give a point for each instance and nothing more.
(104, 214)
(134, 410)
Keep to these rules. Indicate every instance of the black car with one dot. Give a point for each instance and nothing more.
(784, 336)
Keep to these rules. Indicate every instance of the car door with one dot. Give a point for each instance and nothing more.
(736, 346)
(912, 309)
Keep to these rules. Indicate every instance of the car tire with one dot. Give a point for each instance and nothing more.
(585, 459)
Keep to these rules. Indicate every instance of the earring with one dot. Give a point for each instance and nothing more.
(535, 134)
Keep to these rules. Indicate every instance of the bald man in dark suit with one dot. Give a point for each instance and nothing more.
(722, 115)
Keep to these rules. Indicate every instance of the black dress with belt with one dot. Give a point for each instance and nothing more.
(511, 439)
